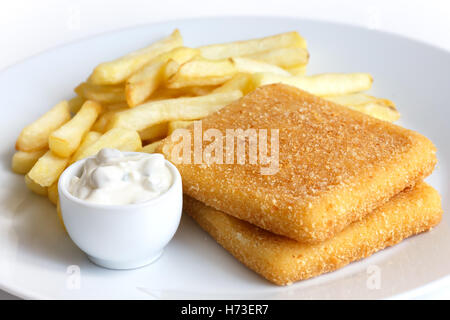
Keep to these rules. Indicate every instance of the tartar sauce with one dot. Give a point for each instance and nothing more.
(115, 178)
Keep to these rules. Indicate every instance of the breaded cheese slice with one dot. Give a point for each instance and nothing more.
(335, 165)
(284, 261)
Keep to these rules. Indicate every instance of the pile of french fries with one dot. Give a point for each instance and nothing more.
(135, 101)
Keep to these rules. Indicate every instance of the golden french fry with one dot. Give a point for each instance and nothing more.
(101, 93)
(143, 83)
(379, 108)
(356, 99)
(88, 139)
(246, 65)
(297, 71)
(174, 125)
(247, 47)
(378, 111)
(179, 55)
(35, 136)
(102, 122)
(196, 91)
(47, 169)
(240, 81)
(119, 70)
(52, 193)
(75, 104)
(198, 82)
(321, 84)
(140, 86)
(152, 113)
(157, 131)
(36, 188)
(116, 138)
(151, 148)
(171, 68)
(202, 72)
(175, 58)
(114, 106)
(166, 93)
(282, 57)
(64, 141)
(23, 161)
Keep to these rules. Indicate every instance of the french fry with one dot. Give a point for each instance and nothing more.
(282, 57)
(297, 71)
(102, 122)
(166, 93)
(246, 65)
(357, 99)
(47, 169)
(196, 91)
(171, 68)
(88, 139)
(378, 111)
(100, 93)
(240, 81)
(174, 125)
(117, 138)
(322, 84)
(64, 141)
(157, 131)
(152, 113)
(180, 55)
(144, 82)
(115, 107)
(199, 82)
(140, 86)
(22, 161)
(151, 148)
(202, 72)
(379, 108)
(36, 188)
(119, 70)
(35, 136)
(75, 104)
(248, 47)
(175, 58)
(52, 193)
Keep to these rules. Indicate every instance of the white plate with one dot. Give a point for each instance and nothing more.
(36, 255)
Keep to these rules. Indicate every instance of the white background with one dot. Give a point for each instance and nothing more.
(30, 27)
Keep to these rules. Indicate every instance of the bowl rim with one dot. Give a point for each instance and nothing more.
(69, 172)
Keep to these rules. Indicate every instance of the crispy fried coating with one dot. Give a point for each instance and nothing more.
(335, 165)
(283, 261)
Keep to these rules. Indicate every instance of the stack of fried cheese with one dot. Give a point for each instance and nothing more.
(346, 185)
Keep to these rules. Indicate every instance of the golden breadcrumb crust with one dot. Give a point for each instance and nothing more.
(283, 261)
(335, 164)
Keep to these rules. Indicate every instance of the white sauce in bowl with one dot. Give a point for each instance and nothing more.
(115, 178)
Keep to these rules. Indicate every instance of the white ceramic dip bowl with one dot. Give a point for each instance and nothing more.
(121, 236)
